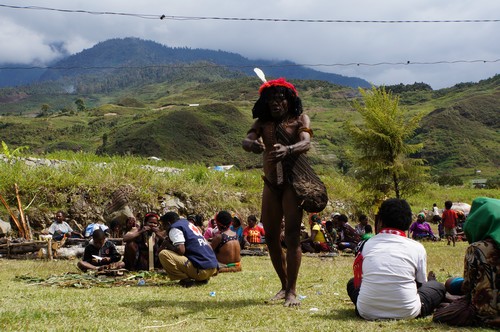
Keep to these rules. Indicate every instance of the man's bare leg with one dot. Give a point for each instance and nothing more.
(293, 219)
(271, 218)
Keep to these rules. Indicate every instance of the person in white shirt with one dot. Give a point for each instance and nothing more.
(390, 279)
(60, 228)
(436, 216)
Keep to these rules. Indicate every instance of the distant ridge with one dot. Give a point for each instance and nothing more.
(106, 56)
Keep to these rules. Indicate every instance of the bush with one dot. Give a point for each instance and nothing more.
(493, 183)
(449, 180)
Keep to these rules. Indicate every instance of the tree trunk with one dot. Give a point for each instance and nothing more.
(395, 179)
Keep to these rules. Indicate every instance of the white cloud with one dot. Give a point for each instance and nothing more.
(304, 43)
(22, 45)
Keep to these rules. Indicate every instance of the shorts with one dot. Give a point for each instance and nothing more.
(450, 231)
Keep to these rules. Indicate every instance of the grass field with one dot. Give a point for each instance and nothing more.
(230, 302)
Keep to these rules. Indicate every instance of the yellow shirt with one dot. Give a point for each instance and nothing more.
(319, 235)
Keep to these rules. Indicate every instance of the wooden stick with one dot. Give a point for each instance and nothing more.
(151, 243)
(30, 234)
(8, 249)
(13, 216)
(49, 249)
(21, 214)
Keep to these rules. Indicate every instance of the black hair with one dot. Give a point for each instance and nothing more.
(448, 204)
(114, 224)
(236, 221)
(368, 229)
(198, 221)
(261, 109)
(343, 218)
(98, 234)
(170, 217)
(362, 217)
(224, 218)
(252, 217)
(395, 213)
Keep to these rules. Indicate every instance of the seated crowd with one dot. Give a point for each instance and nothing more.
(390, 268)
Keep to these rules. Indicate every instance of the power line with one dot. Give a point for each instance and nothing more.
(252, 19)
(349, 64)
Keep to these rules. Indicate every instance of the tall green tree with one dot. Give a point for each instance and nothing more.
(382, 156)
(80, 105)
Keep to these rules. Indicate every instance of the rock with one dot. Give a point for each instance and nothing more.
(5, 227)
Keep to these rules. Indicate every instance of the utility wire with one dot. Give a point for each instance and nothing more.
(253, 19)
(350, 64)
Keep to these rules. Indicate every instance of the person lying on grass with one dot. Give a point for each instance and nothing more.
(390, 279)
(100, 254)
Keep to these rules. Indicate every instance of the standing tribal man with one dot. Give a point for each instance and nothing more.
(282, 133)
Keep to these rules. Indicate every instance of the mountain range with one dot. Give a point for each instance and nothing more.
(132, 53)
(130, 96)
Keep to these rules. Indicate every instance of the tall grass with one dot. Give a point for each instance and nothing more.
(205, 190)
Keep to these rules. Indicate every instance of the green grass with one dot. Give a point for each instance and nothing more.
(238, 304)
(203, 190)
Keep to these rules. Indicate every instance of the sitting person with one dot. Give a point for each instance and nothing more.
(390, 279)
(332, 231)
(360, 228)
(100, 254)
(480, 285)
(211, 230)
(253, 233)
(238, 229)
(136, 256)
(319, 240)
(368, 233)
(436, 217)
(421, 229)
(225, 244)
(185, 254)
(61, 229)
(197, 220)
(115, 229)
(89, 230)
(348, 238)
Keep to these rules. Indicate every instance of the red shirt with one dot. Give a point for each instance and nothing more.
(254, 234)
(450, 218)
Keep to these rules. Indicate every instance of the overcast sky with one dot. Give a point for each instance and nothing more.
(26, 35)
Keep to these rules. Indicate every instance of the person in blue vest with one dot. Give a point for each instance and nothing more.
(185, 254)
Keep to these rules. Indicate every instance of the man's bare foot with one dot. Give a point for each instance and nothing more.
(279, 296)
(291, 300)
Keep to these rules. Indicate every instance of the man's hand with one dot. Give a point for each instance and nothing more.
(279, 152)
(106, 260)
(257, 146)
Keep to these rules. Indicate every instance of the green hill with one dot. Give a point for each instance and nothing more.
(460, 131)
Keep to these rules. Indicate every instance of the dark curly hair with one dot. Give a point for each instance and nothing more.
(224, 218)
(395, 213)
(261, 109)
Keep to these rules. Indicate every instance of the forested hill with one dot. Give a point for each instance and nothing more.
(116, 56)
